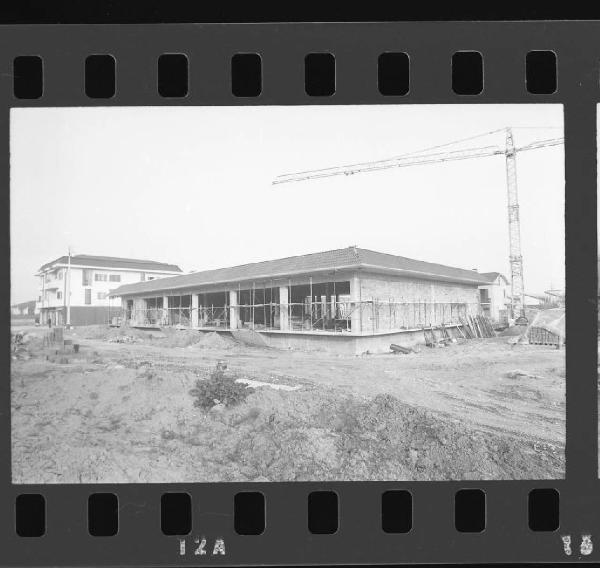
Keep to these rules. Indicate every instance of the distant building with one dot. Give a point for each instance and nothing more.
(494, 296)
(23, 309)
(348, 300)
(89, 280)
(555, 297)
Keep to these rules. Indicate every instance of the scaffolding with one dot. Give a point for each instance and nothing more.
(317, 315)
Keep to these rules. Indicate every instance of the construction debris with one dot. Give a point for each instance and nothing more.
(122, 339)
(401, 349)
(518, 374)
(430, 338)
(470, 327)
(446, 335)
(253, 383)
(477, 326)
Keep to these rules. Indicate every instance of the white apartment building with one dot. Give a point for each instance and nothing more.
(495, 297)
(75, 290)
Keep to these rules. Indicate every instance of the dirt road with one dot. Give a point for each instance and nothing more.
(123, 412)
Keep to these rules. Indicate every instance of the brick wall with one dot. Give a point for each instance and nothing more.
(393, 302)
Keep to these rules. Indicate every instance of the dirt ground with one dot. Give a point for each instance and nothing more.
(120, 411)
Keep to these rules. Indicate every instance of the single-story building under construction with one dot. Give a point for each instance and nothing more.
(349, 300)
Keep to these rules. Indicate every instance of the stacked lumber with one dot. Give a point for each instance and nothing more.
(477, 326)
(470, 327)
(465, 328)
(486, 325)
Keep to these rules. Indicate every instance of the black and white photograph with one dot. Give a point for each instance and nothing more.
(287, 293)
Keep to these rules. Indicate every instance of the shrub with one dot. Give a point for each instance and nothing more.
(219, 389)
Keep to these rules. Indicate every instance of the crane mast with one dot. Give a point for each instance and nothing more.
(514, 232)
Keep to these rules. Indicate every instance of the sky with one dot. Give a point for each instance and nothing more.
(193, 186)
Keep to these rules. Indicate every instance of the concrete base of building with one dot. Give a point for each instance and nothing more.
(342, 343)
(345, 344)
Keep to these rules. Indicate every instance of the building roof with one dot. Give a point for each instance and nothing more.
(22, 305)
(339, 259)
(492, 276)
(112, 262)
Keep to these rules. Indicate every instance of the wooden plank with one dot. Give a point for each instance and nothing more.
(466, 328)
(473, 326)
(400, 348)
(478, 324)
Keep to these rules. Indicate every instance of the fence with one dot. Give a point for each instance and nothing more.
(371, 316)
(541, 336)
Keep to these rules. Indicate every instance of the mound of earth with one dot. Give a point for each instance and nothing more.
(213, 339)
(108, 333)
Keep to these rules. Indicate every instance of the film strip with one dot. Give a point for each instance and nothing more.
(290, 517)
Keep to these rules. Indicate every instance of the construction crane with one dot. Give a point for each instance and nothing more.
(442, 153)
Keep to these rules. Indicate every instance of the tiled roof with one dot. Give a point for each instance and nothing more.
(491, 276)
(29, 304)
(347, 258)
(112, 262)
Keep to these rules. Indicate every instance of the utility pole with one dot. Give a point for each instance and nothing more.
(514, 233)
(43, 298)
(68, 292)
